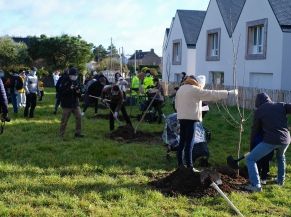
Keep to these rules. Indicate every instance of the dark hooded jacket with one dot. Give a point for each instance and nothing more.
(270, 118)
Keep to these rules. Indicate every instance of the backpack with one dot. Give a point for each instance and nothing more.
(18, 83)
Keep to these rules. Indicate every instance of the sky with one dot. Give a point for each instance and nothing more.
(132, 24)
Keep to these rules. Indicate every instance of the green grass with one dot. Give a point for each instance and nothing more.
(42, 175)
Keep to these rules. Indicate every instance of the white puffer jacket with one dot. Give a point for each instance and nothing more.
(189, 101)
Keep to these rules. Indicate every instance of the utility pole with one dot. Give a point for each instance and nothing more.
(111, 54)
(135, 62)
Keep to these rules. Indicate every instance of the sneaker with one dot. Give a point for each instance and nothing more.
(263, 181)
(253, 189)
(195, 170)
(79, 135)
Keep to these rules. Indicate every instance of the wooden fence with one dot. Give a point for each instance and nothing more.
(247, 95)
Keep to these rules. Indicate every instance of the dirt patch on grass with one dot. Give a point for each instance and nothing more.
(126, 134)
(186, 182)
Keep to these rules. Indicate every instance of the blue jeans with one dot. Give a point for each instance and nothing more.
(186, 135)
(14, 101)
(261, 150)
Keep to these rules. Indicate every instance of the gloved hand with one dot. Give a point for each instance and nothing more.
(233, 92)
(115, 115)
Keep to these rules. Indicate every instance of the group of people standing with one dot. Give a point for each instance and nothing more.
(23, 88)
(95, 90)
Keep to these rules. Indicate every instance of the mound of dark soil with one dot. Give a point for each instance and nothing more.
(126, 134)
(186, 182)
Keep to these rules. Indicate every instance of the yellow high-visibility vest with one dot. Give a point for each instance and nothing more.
(135, 82)
(148, 81)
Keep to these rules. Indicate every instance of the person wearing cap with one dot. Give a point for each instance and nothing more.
(70, 92)
(31, 90)
(114, 96)
(188, 104)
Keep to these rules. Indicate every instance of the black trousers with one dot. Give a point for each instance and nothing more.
(124, 114)
(186, 135)
(41, 95)
(30, 104)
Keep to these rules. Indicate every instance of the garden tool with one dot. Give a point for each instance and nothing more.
(212, 178)
(105, 102)
(233, 163)
(147, 109)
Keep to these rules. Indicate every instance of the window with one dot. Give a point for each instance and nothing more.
(256, 39)
(216, 78)
(177, 52)
(213, 45)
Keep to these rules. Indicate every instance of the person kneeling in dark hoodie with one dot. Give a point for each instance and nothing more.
(270, 118)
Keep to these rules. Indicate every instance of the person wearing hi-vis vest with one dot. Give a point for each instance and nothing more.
(148, 81)
(134, 85)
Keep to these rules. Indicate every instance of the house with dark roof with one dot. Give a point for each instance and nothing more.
(149, 58)
(247, 42)
(179, 46)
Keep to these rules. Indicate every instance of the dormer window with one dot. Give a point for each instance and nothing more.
(213, 45)
(256, 44)
(177, 52)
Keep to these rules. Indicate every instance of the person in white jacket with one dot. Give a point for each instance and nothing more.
(188, 104)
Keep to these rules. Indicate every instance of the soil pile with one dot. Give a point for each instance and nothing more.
(126, 134)
(186, 182)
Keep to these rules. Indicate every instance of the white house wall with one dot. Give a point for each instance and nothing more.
(256, 10)
(213, 20)
(176, 33)
(286, 62)
(191, 62)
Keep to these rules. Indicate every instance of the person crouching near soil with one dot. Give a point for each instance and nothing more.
(270, 118)
(114, 95)
(70, 92)
(188, 104)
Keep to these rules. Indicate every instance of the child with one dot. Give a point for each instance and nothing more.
(40, 89)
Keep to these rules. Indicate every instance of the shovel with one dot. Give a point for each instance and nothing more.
(212, 178)
(105, 102)
(233, 163)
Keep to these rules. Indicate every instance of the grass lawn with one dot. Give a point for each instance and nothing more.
(42, 175)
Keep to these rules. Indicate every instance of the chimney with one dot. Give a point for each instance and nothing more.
(152, 50)
(140, 51)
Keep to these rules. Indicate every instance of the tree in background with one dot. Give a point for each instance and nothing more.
(99, 53)
(12, 55)
(61, 51)
(114, 50)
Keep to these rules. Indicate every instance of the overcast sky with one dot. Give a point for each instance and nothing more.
(132, 24)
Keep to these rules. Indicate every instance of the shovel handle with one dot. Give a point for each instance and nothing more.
(215, 186)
